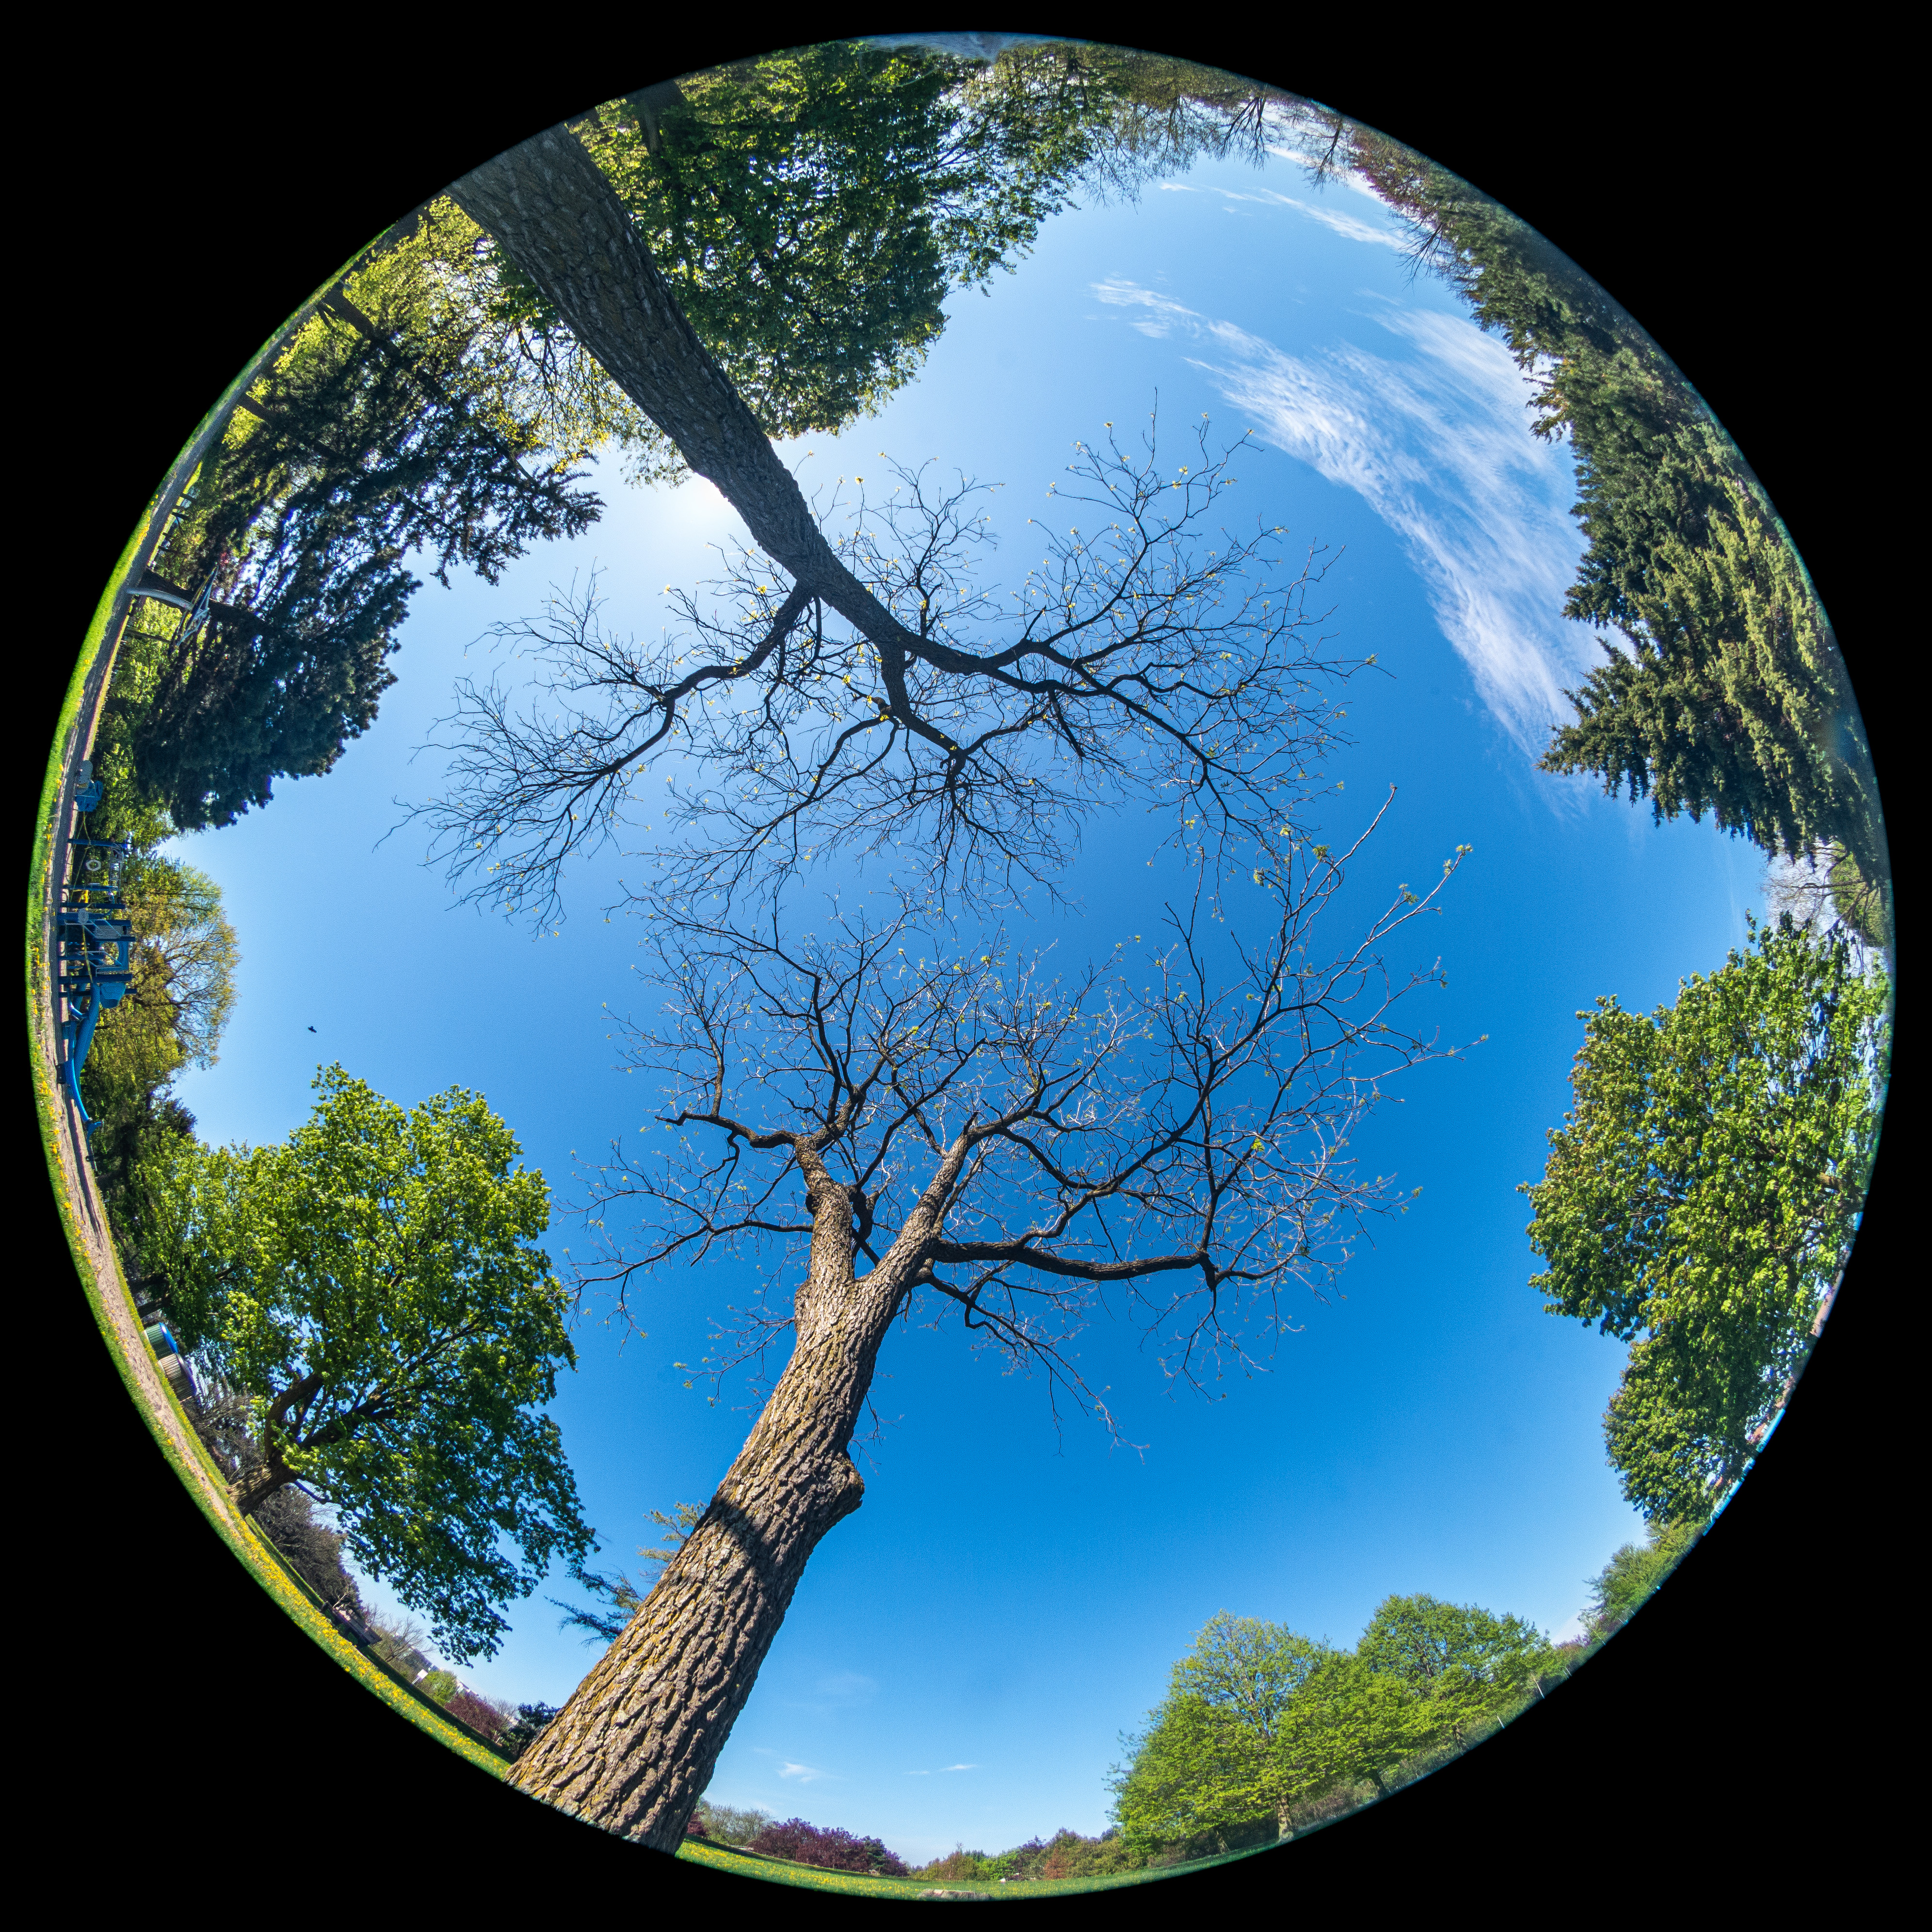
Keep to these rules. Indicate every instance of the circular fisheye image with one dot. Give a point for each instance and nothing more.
(961, 967)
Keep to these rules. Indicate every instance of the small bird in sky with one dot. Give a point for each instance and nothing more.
(311, 1029)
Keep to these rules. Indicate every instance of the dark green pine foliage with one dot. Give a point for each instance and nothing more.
(1729, 696)
(359, 449)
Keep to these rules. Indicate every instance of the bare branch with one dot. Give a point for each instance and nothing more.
(1136, 661)
(1181, 1132)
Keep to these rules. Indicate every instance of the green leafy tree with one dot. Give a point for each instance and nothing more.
(1463, 1664)
(727, 1824)
(382, 429)
(1374, 1720)
(371, 1285)
(1240, 1737)
(186, 954)
(1703, 1193)
(1260, 1724)
(811, 210)
(172, 1016)
(1728, 694)
(1625, 1583)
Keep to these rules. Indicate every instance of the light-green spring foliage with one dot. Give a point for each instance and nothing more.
(1703, 1194)
(1259, 1720)
(372, 1284)
(1625, 1583)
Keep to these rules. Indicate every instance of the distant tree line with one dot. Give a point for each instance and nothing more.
(1264, 1733)
(830, 1846)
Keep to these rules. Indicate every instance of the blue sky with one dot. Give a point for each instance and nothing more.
(964, 1652)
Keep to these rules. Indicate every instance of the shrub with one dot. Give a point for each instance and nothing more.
(478, 1712)
(725, 1825)
(1066, 1855)
(829, 1846)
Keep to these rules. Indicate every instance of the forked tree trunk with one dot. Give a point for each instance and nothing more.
(634, 1748)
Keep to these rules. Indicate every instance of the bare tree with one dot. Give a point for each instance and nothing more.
(845, 690)
(1823, 889)
(985, 1139)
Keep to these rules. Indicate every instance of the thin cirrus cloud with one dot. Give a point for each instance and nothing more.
(847, 1687)
(1351, 226)
(1437, 443)
(942, 1771)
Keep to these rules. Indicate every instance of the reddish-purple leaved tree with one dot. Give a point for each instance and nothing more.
(827, 1845)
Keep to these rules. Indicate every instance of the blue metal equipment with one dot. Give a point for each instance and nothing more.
(94, 944)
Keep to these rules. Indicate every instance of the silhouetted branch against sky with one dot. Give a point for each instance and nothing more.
(1175, 1125)
(1144, 656)
(851, 683)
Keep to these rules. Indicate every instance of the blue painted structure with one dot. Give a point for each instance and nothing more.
(95, 962)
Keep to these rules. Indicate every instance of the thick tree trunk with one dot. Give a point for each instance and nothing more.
(253, 1487)
(634, 1747)
(554, 215)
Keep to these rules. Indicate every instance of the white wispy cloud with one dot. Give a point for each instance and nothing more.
(1437, 441)
(943, 1770)
(1378, 234)
(806, 1774)
(849, 1685)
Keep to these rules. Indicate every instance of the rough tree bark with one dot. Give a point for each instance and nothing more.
(550, 210)
(634, 1748)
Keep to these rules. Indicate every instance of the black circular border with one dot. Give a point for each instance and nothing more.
(177, 1711)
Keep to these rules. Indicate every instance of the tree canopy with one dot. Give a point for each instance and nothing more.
(1240, 1736)
(1702, 1196)
(1728, 695)
(381, 432)
(1627, 1581)
(1260, 1721)
(810, 209)
(1464, 1663)
(371, 1285)
(172, 1016)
